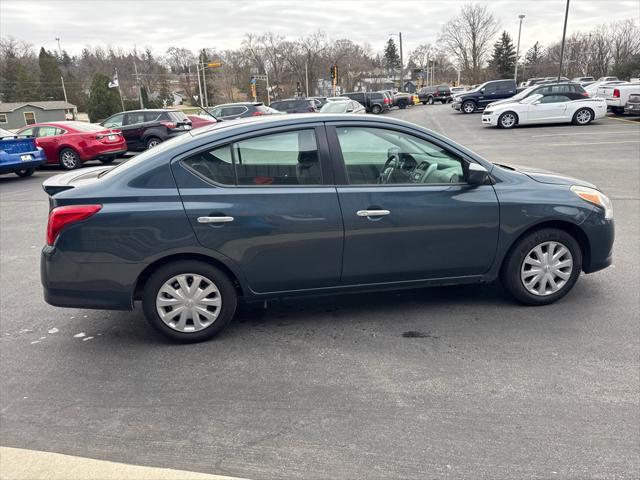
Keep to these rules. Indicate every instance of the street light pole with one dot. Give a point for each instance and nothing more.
(515, 75)
(564, 34)
(59, 49)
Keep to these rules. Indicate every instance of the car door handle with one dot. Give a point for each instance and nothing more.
(372, 213)
(221, 219)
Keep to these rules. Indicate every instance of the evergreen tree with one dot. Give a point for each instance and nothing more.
(103, 101)
(50, 74)
(504, 56)
(26, 85)
(534, 54)
(165, 97)
(145, 97)
(391, 57)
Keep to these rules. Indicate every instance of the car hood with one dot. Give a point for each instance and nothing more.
(545, 176)
(74, 178)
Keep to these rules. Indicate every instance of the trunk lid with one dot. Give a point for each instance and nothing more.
(72, 179)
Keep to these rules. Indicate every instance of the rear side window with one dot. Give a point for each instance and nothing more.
(153, 116)
(132, 118)
(289, 158)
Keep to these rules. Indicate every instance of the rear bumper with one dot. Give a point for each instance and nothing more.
(67, 283)
(11, 162)
(632, 107)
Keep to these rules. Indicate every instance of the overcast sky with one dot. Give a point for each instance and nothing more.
(221, 24)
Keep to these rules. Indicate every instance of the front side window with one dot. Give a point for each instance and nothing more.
(380, 156)
(289, 158)
(555, 99)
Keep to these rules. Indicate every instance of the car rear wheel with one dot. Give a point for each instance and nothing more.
(469, 106)
(69, 159)
(26, 172)
(542, 267)
(376, 109)
(107, 160)
(189, 301)
(430, 100)
(582, 117)
(153, 142)
(507, 120)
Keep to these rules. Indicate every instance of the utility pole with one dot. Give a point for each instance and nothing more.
(199, 86)
(564, 34)
(515, 75)
(59, 49)
(135, 67)
(401, 64)
(204, 85)
(306, 79)
(64, 90)
(119, 90)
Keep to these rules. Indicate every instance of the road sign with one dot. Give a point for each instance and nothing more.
(260, 77)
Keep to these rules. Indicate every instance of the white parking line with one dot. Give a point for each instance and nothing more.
(590, 143)
(623, 132)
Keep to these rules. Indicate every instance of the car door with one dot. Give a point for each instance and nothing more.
(550, 108)
(267, 204)
(133, 129)
(48, 138)
(408, 212)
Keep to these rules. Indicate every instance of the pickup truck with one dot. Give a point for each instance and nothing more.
(19, 155)
(617, 96)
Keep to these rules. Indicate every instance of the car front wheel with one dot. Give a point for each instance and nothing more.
(469, 106)
(69, 159)
(542, 267)
(582, 117)
(507, 120)
(376, 109)
(189, 301)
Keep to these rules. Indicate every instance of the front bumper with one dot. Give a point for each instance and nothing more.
(456, 105)
(490, 120)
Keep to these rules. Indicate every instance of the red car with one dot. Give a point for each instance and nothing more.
(198, 121)
(71, 143)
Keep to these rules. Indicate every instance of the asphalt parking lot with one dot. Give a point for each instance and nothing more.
(454, 382)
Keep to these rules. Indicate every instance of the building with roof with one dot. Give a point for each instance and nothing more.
(18, 114)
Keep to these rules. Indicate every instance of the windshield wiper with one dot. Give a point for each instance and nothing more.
(211, 114)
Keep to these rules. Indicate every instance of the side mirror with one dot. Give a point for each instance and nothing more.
(537, 102)
(477, 174)
(482, 90)
(349, 110)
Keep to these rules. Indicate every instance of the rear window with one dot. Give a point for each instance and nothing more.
(85, 127)
(178, 116)
(377, 96)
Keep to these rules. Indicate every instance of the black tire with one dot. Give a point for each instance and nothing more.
(152, 142)
(510, 275)
(617, 110)
(504, 120)
(377, 109)
(583, 116)
(468, 106)
(402, 106)
(163, 274)
(424, 102)
(27, 172)
(69, 159)
(430, 100)
(107, 160)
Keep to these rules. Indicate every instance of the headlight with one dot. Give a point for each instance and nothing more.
(487, 112)
(457, 99)
(595, 197)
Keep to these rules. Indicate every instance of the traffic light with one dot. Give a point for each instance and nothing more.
(334, 72)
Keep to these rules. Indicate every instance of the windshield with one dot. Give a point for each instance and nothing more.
(523, 94)
(6, 133)
(334, 107)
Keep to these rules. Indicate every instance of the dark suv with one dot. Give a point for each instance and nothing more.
(229, 111)
(440, 93)
(374, 102)
(144, 129)
(295, 105)
(483, 95)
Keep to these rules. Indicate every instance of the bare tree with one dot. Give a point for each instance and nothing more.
(625, 41)
(468, 37)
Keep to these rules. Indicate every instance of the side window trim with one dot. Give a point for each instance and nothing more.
(339, 166)
(324, 157)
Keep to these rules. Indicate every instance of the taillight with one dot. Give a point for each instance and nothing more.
(386, 100)
(616, 93)
(257, 113)
(169, 124)
(60, 217)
